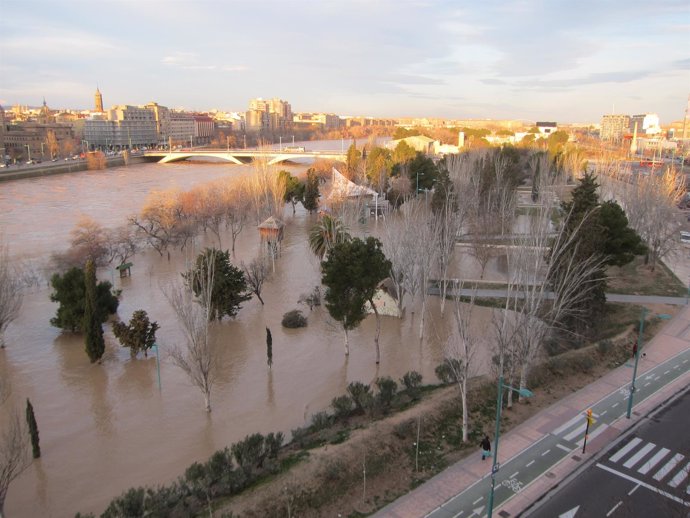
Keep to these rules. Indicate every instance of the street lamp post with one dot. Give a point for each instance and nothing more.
(638, 350)
(28, 149)
(281, 142)
(495, 466)
(158, 365)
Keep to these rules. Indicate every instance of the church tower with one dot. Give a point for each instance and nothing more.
(98, 99)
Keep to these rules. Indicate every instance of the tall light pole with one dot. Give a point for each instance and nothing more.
(495, 466)
(28, 149)
(281, 142)
(158, 365)
(638, 350)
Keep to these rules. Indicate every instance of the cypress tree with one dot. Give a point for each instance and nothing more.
(269, 348)
(33, 429)
(93, 330)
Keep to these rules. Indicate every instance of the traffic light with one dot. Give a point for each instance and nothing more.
(590, 419)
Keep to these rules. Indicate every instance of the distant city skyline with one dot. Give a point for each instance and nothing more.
(533, 60)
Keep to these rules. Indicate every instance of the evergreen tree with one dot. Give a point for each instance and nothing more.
(69, 292)
(229, 286)
(353, 159)
(311, 192)
(33, 429)
(269, 348)
(93, 329)
(294, 189)
(138, 335)
(352, 273)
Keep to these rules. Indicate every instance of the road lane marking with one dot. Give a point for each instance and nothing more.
(620, 502)
(529, 463)
(578, 431)
(677, 367)
(478, 500)
(614, 405)
(603, 413)
(626, 449)
(647, 383)
(645, 485)
(567, 425)
(666, 372)
(680, 476)
(547, 451)
(633, 490)
(596, 433)
(668, 467)
(685, 361)
(657, 378)
(514, 474)
(564, 448)
(647, 466)
(638, 456)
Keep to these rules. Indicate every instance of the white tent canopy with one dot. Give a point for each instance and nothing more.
(344, 188)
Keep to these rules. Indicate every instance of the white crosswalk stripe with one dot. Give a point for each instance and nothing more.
(680, 476)
(638, 456)
(625, 450)
(647, 466)
(668, 467)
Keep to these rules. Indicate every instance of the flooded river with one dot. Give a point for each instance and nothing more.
(105, 428)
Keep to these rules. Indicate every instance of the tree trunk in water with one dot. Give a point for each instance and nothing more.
(207, 400)
(378, 330)
(443, 289)
(347, 344)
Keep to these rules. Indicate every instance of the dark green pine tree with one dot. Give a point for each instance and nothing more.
(311, 192)
(583, 226)
(93, 330)
(33, 429)
(269, 348)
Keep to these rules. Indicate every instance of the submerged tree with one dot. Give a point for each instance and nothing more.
(33, 429)
(138, 335)
(10, 293)
(255, 274)
(269, 348)
(69, 292)
(196, 356)
(328, 232)
(229, 286)
(352, 273)
(93, 327)
(14, 450)
(311, 191)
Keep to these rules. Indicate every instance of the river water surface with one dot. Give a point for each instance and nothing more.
(105, 428)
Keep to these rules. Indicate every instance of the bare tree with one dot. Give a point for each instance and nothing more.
(159, 220)
(398, 250)
(255, 273)
(122, 244)
(196, 357)
(548, 291)
(651, 204)
(237, 208)
(459, 352)
(11, 294)
(14, 449)
(89, 241)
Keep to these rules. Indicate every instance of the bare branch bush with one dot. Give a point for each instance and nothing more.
(196, 357)
(14, 450)
(256, 273)
(11, 292)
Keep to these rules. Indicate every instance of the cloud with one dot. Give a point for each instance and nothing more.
(66, 44)
(190, 61)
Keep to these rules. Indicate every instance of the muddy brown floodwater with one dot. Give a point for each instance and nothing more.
(105, 428)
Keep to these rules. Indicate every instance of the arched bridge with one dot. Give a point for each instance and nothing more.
(242, 156)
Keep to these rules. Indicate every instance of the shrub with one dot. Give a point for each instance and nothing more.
(249, 452)
(604, 346)
(342, 406)
(273, 443)
(411, 381)
(446, 371)
(294, 319)
(360, 394)
(319, 421)
(311, 299)
(387, 390)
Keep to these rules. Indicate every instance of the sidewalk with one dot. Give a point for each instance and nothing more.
(672, 339)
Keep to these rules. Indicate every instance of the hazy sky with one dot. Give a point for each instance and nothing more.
(557, 60)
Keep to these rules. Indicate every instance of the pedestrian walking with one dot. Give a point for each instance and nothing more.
(486, 447)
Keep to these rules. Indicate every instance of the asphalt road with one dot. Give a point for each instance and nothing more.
(647, 474)
(567, 440)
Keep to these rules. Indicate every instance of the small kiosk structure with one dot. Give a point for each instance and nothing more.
(271, 232)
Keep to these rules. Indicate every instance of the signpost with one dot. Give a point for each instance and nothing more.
(590, 421)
